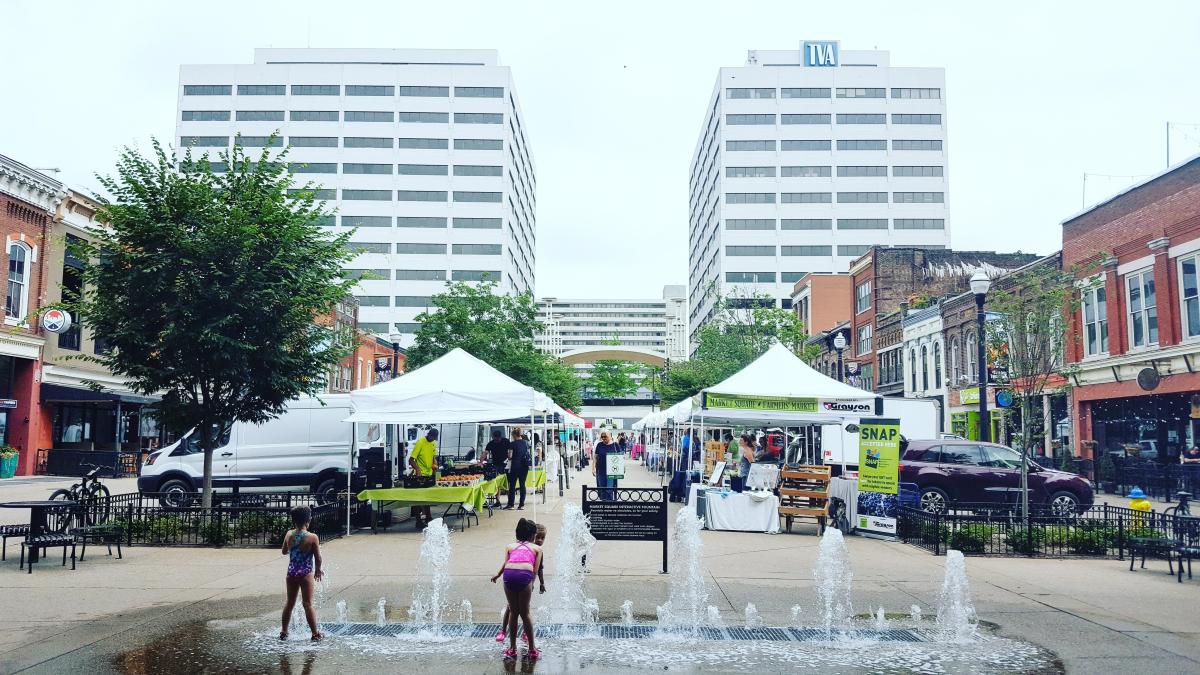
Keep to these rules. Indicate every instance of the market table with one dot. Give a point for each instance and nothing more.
(434, 496)
(37, 517)
(737, 511)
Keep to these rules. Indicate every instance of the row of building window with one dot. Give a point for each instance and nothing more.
(827, 92)
(420, 275)
(762, 277)
(401, 195)
(798, 251)
(735, 119)
(346, 116)
(424, 248)
(336, 90)
(771, 145)
(383, 169)
(346, 142)
(842, 197)
(827, 171)
(433, 222)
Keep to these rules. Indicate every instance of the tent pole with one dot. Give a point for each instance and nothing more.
(350, 470)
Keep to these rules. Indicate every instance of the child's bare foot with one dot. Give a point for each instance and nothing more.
(317, 637)
(283, 635)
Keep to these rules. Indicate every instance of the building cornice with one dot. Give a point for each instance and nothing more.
(30, 186)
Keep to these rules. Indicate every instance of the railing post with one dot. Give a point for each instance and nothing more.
(1120, 536)
(1028, 533)
(129, 525)
(937, 533)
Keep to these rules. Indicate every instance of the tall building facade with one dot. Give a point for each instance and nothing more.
(422, 152)
(805, 160)
(656, 328)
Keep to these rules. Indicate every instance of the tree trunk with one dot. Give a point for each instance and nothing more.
(206, 443)
(1026, 432)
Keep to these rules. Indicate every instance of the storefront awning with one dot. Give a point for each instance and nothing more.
(58, 393)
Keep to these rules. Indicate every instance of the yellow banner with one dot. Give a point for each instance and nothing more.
(749, 402)
(879, 456)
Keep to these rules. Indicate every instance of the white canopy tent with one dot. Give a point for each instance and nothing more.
(455, 388)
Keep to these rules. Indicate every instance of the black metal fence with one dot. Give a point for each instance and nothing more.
(981, 529)
(1158, 481)
(248, 520)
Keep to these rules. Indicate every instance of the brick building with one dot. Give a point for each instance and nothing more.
(822, 301)
(884, 278)
(1137, 354)
(28, 202)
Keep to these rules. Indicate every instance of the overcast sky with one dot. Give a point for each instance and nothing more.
(614, 94)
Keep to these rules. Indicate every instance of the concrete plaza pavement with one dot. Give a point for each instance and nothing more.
(1096, 615)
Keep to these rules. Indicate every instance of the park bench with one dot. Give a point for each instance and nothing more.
(42, 542)
(8, 532)
(107, 534)
(804, 493)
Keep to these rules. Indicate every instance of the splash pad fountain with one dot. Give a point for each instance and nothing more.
(690, 633)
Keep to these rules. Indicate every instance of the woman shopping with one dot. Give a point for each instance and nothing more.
(603, 450)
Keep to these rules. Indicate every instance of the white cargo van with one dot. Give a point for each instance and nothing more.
(304, 448)
(918, 420)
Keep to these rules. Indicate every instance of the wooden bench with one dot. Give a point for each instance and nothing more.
(804, 493)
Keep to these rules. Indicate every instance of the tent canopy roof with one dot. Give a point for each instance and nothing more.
(779, 372)
(455, 388)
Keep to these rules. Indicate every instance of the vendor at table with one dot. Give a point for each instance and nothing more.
(423, 455)
(496, 451)
(746, 452)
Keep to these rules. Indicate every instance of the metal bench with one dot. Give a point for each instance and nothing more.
(9, 531)
(1187, 542)
(101, 534)
(44, 541)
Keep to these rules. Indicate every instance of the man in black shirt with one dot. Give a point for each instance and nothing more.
(496, 451)
(518, 468)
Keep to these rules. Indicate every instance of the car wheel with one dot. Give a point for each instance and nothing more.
(327, 491)
(934, 500)
(1064, 504)
(176, 493)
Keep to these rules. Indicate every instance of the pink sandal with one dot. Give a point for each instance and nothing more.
(534, 653)
(510, 653)
(500, 636)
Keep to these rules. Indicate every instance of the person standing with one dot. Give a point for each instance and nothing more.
(604, 448)
(519, 460)
(424, 458)
(746, 444)
(496, 451)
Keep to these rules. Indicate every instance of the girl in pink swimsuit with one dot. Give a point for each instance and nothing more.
(521, 562)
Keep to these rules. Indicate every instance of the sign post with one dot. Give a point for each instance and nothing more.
(878, 475)
(627, 514)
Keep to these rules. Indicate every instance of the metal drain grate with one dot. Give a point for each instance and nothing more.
(635, 632)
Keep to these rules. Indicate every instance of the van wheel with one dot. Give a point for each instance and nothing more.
(176, 493)
(934, 500)
(327, 491)
(1064, 504)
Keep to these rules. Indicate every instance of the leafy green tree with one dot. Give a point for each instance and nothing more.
(1026, 334)
(740, 330)
(613, 378)
(207, 288)
(497, 329)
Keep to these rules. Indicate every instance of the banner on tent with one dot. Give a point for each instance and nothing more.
(787, 404)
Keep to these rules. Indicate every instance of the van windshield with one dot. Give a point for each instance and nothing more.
(190, 445)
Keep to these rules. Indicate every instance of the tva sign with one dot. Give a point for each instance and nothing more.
(819, 53)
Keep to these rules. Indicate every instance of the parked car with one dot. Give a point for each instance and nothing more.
(305, 448)
(948, 471)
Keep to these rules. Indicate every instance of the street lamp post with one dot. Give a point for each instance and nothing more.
(839, 343)
(395, 338)
(980, 283)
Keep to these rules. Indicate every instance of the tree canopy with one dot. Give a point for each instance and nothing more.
(613, 378)
(206, 288)
(497, 329)
(741, 330)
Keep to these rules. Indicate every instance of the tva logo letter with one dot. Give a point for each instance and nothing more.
(820, 53)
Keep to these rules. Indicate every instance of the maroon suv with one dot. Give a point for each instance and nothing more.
(947, 471)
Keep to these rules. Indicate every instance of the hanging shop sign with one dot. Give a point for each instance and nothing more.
(1004, 398)
(56, 321)
(878, 475)
(969, 396)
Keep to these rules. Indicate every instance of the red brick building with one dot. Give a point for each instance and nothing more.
(1137, 356)
(885, 278)
(28, 202)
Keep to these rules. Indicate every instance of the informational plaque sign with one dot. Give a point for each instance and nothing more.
(627, 514)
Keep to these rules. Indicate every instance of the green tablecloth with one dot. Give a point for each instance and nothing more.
(534, 480)
(492, 486)
(401, 497)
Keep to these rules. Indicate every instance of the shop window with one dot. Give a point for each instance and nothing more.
(1095, 321)
(1189, 296)
(937, 365)
(17, 300)
(1143, 309)
(924, 368)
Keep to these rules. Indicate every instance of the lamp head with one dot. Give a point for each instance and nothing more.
(980, 282)
(839, 341)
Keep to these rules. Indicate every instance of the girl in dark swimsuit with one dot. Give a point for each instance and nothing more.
(303, 550)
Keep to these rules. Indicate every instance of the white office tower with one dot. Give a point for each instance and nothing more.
(806, 158)
(422, 150)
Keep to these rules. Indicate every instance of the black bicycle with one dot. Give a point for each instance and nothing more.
(91, 496)
(1181, 509)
